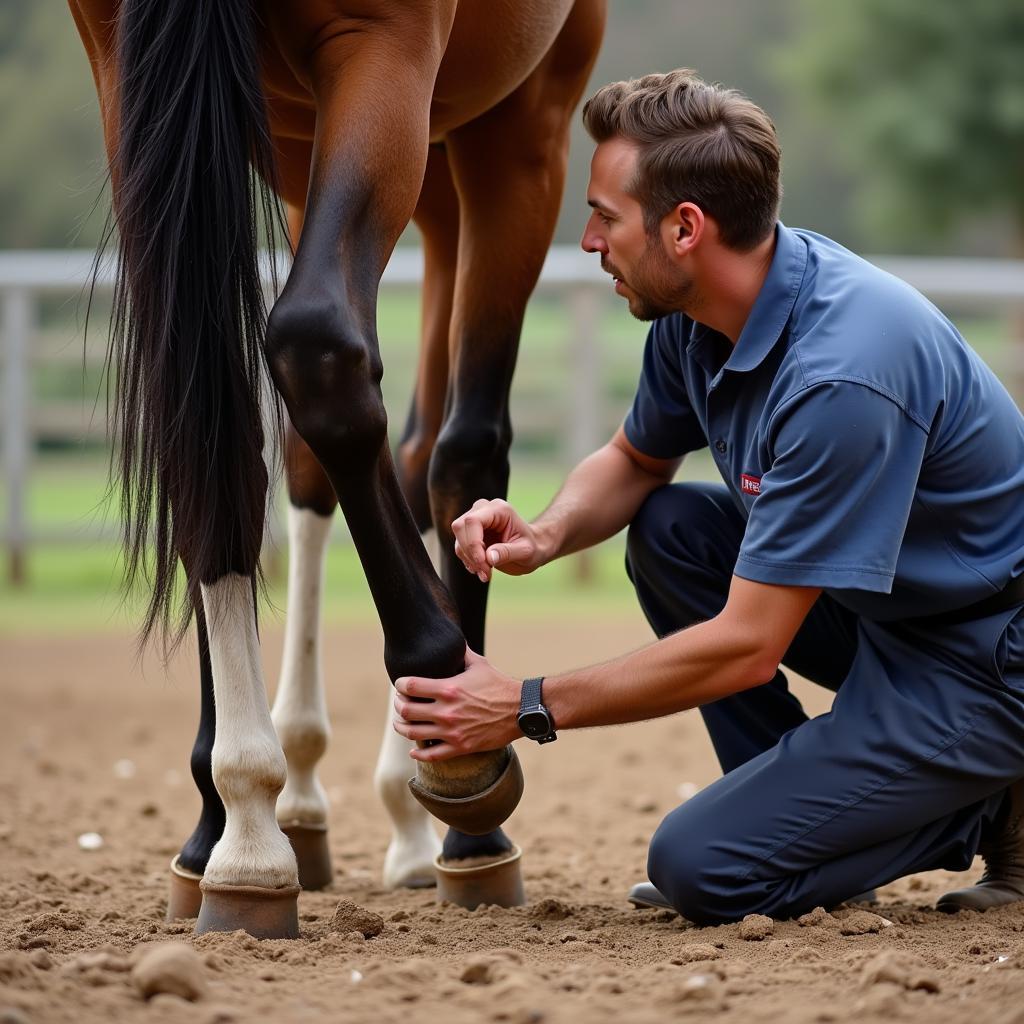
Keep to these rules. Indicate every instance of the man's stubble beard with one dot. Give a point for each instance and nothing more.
(662, 287)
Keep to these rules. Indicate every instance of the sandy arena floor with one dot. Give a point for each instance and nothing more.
(72, 922)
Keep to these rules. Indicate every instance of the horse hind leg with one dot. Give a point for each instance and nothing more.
(251, 878)
(185, 897)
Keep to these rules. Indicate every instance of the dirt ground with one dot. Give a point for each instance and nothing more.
(89, 742)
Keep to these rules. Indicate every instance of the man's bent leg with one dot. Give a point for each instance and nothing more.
(681, 551)
(903, 775)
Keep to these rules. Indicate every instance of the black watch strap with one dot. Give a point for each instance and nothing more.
(531, 693)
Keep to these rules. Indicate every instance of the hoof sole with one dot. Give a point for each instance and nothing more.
(263, 913)
(499, 883)
(184, 897)
(483, 812)
(312, 853)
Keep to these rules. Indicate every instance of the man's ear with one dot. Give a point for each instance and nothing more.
(686, 226)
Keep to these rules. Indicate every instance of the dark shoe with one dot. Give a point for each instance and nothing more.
(868, 896)
(1003, 852)
(645, 896)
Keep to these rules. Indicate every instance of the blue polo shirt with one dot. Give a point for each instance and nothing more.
(871, 451)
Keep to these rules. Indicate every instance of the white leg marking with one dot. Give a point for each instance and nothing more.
(300, 714)
(248, 765)
(414, 842)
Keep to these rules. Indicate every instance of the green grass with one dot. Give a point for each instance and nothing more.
(75, 586)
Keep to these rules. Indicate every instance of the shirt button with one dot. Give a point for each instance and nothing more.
(720, 446)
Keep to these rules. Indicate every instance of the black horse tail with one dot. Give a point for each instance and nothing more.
(192, 174)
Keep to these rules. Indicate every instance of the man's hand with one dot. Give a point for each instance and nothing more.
(492, 535)
(469, 713)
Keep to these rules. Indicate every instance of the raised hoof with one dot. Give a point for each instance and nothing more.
(184, 897)
(483, 812)
(498, 882)
(263, 913)
(312, 854)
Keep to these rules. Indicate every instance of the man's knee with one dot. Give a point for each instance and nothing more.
(691, 867)
(658, 534)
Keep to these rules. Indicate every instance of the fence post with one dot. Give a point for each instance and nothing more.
(585, 398)
(17, 324)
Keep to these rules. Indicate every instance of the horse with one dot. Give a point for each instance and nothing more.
(353, 117)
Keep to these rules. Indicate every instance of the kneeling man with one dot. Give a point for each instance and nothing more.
(868, 533)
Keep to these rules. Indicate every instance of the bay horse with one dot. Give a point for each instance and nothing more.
(358, 116)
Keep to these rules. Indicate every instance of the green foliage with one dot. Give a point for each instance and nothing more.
(928, 97)
(53, 165)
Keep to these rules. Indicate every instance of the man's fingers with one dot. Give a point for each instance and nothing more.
(417, 731)
(437, 752)
(418, 687)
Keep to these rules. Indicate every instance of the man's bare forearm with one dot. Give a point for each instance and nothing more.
(600, 497)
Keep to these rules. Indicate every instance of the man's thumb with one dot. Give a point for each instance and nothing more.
(497, 554)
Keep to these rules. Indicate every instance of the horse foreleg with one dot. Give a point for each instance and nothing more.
(299, 713)
(509, 169)
(251, 878)
(323, 352)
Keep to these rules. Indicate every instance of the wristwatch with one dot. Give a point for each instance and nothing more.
(534, 719)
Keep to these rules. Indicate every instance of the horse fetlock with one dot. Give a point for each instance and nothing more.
(435, 649)
(304, 736)
(249, 773)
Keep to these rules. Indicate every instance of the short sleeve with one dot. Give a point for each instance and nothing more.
(662, 422)
(834, 505)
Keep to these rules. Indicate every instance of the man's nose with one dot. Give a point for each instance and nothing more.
(592, 241)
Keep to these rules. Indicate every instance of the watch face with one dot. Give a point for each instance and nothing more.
(535, 723)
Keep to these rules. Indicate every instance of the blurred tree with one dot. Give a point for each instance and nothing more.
(53, 161)
(929, 100)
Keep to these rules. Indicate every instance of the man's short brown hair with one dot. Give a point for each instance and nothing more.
(698, 143)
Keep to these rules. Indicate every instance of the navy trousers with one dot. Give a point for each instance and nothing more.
(904, 773)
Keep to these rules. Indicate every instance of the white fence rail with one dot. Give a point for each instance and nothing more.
(27, 276)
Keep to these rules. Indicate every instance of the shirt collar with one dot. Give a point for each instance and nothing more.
(774, 302)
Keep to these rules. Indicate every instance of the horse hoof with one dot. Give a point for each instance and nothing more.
(263, 913)
(312, 853)
(498, 882)
(184, 897)
(483, 812)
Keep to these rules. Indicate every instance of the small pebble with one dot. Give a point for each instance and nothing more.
(861, 922)
(819, 915)
(172, 968)
(41, 959)
(90, 841)
(350, 917)
(755, 927)
(124, 769)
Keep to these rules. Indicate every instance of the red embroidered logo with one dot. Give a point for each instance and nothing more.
(750, 484)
